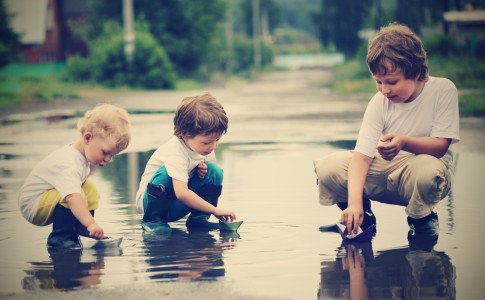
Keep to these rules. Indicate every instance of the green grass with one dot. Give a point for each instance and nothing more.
(472, 104)
(353, 77)
(468, 74)
(21, 83)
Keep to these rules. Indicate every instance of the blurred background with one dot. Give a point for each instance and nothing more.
(56, 49)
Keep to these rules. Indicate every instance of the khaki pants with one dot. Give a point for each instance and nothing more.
(418, 182)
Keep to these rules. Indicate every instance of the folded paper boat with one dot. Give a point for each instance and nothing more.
(361, 235)
(107, 242)
(229, 226)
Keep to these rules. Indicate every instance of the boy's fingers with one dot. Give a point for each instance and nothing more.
(350, 223)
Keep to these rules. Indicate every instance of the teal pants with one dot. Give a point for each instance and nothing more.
(177, 208)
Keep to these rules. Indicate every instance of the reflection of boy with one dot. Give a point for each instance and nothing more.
(415, 273)
(181, 176)
(58, 190)
(403, 154)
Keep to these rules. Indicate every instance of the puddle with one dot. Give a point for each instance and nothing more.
(277, 252)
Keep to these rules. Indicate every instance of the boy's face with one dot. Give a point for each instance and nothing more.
(396, 87)
(99, 151)
(202, 144)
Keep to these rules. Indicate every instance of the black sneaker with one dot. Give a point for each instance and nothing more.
(426, 227)
(369, 220)
(423, 233)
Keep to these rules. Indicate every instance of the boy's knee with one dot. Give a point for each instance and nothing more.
(161, 177)
(431, 178)
(331, 166)
(215, 174)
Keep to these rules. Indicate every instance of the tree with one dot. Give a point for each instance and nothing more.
(410, 13)
(9, 40)
(186, 29)
(267, 7)
(339, 24)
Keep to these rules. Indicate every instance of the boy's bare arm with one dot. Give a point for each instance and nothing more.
(353, 216)
(80, 211)
(395, 142)
(192, 200)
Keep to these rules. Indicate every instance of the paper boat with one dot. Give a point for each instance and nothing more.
(107, 242)
(361, 235)
(229, 226)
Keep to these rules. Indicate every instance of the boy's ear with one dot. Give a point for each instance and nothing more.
(87, 136)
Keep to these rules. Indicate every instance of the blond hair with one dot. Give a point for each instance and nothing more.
(200, 114)
(396, 46)
(107, 121)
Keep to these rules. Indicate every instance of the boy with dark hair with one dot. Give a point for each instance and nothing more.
(403, 154)
(181, 176)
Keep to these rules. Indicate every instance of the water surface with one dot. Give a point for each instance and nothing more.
(269, 182)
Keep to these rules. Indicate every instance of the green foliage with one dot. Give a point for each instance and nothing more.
(186, 29)
(44, 89)
(266, 7)
(9, 40)
(291, 41)
(244, 54)
(20, 83)
(442, 45)
(353, 77)
(472, 104)
(465, 72)
(298, 14)
(107, 64)
(342, 33)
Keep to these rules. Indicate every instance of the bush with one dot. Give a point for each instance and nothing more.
(442, 45)
(244, 54)
(465, 72)
(150, 66)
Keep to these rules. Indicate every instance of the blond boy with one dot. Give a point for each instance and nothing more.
(58, 189)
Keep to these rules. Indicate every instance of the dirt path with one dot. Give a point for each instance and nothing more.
(295, 95)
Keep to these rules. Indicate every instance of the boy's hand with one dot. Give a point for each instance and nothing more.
(224, 215)
(390, 145)
(95, 231)
(201, 170)
(352, 217)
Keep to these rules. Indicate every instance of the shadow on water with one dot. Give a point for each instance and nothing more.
(402, 273)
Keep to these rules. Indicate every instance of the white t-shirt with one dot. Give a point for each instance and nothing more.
(65, 170)
(177, 158)
(434, 113)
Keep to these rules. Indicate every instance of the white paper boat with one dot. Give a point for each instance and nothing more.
(361, 235)
(107, 242)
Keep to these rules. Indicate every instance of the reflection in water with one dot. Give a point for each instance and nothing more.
(186, 256)
(68, 270)
(397, 273)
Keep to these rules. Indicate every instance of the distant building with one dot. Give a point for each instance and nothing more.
(467, 26)
(44, 28)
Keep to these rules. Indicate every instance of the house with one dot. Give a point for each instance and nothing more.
(467, 26)
(44, 28)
